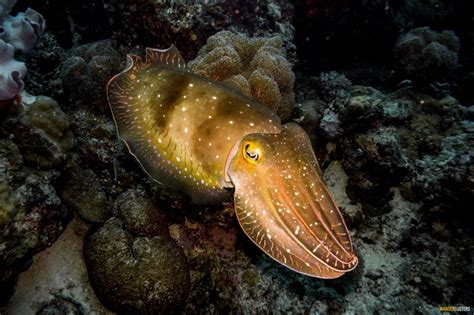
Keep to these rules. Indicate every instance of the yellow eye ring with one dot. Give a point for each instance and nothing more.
(251, 153)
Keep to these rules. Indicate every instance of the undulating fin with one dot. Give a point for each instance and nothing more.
(136, 112)
(180, 126)
(170, 57)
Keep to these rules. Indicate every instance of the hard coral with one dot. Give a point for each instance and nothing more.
(256, 66)
(136, 274)
(333, 88)
(42, 133)
(87, 71)
(189, 24)
(426, 56)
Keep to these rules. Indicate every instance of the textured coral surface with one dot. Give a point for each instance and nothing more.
(257, 67)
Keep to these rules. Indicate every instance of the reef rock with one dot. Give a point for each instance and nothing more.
(139, 215)
(256, 66)
(86, 73)
(31, 214)
(57, 282)
(42, 133)
(89, 200)
(189, 25)
(136, 274)
(425, 56)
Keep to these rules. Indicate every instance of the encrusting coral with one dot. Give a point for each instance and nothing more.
(42, 133)
(256, 66)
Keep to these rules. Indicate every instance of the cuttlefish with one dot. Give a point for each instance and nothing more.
(208, 139)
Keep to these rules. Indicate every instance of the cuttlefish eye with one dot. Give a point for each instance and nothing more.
(252, 152)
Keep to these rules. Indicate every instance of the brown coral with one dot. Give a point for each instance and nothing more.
(256, 66)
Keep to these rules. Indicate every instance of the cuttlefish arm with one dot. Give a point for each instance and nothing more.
(284, 206)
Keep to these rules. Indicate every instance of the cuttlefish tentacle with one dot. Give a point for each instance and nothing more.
(202, 137)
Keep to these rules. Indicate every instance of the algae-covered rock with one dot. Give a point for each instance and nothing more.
(425, 56)
(139, 215)
(35, 218)
(57, 282)
(81, 190)
(86, 72)
(375, 162)
(6, 205)
(334, 89)
(189, 24)
(136, 274)
(31, 214)
(308, 114)
(42, 133)
(255, 65)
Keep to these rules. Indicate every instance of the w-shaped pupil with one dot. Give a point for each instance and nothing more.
(250, 154)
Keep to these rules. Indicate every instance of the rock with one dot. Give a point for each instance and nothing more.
(42, 133)
(374, 162)
(136, 274)
(425, 56)
(57, 282)
(86, 72)
(448, 177)
(44, 77)
(396, 111)
(334, 89)
(308, 114)
(31, 214)
(96, 142)
(139, 215)
(36, 218)
(82, 190)
(190, 25)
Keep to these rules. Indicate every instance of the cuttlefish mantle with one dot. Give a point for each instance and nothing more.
(205, 138)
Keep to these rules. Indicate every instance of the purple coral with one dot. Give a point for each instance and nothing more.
(22, 30)
(11, 72)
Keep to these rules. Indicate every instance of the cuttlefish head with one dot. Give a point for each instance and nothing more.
(284, 206)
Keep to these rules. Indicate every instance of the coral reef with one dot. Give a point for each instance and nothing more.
(42, 133)
(86, 72)
(153, 23)
(256, 66)
(57, 282)
(425, 56)
(32, 218)
(139, 215)
(12, 72)
(133, 274)
(96, 208)
(332, 88)
(44, 76)
(399, 163)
